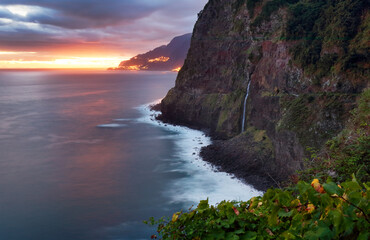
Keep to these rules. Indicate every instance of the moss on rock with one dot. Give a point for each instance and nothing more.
(315, 117)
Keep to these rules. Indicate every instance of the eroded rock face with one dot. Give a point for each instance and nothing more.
(284, 103)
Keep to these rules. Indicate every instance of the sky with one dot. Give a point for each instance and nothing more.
(88, 33)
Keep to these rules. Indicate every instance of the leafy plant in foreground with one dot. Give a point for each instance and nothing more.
(306, 211)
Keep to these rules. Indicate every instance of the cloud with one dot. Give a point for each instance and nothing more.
(5, 13)
(87, 13)
(127, 26)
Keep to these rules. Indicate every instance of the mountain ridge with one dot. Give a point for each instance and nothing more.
(168, 57)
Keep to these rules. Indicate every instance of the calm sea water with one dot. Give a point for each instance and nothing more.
(82, 158)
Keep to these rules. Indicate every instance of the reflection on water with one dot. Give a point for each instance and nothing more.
(61, 177)
(79, 160)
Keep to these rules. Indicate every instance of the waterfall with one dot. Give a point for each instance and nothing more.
(245, 106)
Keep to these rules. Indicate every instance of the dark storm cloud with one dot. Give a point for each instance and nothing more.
(87, 13)
(4, 13)
(80, 21)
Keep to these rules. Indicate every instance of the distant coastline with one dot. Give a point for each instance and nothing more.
(169, 57)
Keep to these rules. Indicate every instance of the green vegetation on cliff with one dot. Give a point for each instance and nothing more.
(347, 153)
(326, 30)
(313, 117)
(325, 43)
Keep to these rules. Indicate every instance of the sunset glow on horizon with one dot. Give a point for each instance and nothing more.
(64, 34)
(176, 69)
(72, 62)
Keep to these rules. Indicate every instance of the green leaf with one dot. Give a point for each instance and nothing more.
(349, 226)
(324, 232)
(203, 205)
(355, 197)
(239, 231)
(312, 197)
(289, 235)
(231, 218)
(285, 198)
(283, 213)
(231, 236)
(249, 236)
(367, 186)
(216, 235)
(310, 235)
(364, 236)
(337, 220)
(351, 186)
(303, 188)
(327, 201)
(319, 233)
(272, 219)
(191, 215)
(332, 188)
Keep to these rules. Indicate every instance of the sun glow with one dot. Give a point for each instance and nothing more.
(133, 67)
(159, 59)
(130, 68)
(13, 53)
(73, 62)
(176, 69)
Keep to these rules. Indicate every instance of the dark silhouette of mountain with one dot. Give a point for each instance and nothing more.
(164, 58)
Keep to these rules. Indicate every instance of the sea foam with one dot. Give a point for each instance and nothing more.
(202, 181)
(112, 125)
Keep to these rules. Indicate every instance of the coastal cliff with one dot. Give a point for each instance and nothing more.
(306, 63)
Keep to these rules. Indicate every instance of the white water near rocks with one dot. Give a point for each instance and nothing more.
(245, 106)
(202, 181)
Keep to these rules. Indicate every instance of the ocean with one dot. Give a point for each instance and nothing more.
(82, 157)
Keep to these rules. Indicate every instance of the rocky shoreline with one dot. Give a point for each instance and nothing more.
(233, 160)
(230, 157)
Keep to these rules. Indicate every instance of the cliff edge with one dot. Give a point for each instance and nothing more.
(304, 61)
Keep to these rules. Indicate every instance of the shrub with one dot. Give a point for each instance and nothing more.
(347, 153)
(269, 8)
(321, 24)
(316, 211)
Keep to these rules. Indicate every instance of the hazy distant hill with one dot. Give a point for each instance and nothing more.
(165, 58)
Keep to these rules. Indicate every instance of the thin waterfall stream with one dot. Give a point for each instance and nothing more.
(245, 106)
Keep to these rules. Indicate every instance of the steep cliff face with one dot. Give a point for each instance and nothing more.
(293, 103)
